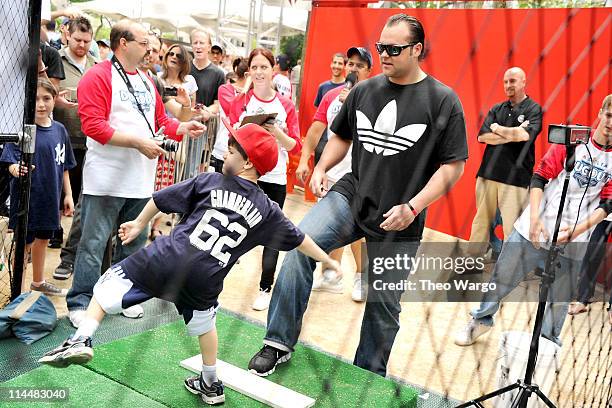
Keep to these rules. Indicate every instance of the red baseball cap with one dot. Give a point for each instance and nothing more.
(259, 145)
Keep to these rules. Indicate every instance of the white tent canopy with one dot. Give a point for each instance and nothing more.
(232, 21)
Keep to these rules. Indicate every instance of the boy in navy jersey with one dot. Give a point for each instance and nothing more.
(224, 216)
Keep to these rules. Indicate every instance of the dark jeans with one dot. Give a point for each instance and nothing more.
(69, 250)
(494, 241)
(76, 174)
(593, 258)
(76, 181)
(276, 193)
(331, 225)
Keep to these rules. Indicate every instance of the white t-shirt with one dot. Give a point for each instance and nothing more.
(106, 106)
(226, 94)
(189, 84)
(286, 119)
(283, 85)
(326, 112)
(600, 185)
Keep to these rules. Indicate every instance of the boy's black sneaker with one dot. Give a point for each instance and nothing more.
(212, 395)
(77, 351)
(265, 361)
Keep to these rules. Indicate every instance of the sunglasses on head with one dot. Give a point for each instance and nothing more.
(393, 50)
(173, 54)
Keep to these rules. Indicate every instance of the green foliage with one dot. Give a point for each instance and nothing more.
(292, 46)
(102, 33)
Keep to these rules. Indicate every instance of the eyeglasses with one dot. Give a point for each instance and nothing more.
(143, 42)
(393, 50)
(180, 57)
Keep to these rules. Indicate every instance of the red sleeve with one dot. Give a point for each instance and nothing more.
(95, 95)
(226, 95)
(161, 119)
(552, 163)
(237, 107)
(293, 129)
(606, 191)
(321, 113)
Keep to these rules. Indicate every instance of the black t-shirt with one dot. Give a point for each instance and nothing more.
(52, 60)
(511, 163)
(223, 218)
(401, 134)
(209, 80)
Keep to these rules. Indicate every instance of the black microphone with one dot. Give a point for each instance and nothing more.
(351, 80)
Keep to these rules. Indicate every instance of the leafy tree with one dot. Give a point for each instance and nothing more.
(292, 46)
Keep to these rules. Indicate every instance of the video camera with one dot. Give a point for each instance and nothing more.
(568, 135)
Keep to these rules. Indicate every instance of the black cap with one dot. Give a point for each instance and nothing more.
(217, 47)
(283, 62)
(364, 54)
(104, 42)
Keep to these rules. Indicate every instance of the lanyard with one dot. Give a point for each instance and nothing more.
(130, 88)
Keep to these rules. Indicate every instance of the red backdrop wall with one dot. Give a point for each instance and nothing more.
(566, 54)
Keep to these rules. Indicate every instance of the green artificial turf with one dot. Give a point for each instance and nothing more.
(148, 365)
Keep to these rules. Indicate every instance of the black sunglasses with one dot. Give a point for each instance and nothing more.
(180, 57)
(393, 50)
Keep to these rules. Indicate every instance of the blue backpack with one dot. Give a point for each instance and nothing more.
(30, 317)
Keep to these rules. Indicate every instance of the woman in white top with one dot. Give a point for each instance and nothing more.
(262, 98)
(176, 66)
(227, 93)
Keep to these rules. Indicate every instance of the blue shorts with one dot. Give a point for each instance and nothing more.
(38, 234)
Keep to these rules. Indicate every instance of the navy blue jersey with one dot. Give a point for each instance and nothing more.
(52, 156)
(222, 219)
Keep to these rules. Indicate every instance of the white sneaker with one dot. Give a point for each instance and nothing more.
(329, 282)
(468, 335)
(262, 302)
(133, 312)
(76, 317)
(359, 290)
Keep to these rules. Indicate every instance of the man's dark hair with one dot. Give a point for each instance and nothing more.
(234, 143)
(120, 30)
(341, 55)
(416, 29)
(80, 23)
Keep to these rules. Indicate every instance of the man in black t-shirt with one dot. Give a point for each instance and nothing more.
(208, 76)
(509, 131)
(409, 148)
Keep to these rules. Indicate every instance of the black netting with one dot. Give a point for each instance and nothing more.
(425, 356)
(13, 66)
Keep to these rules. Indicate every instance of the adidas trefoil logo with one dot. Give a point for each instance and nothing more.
(382, 138)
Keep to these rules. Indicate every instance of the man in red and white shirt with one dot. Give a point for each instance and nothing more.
(359, 63)
(120, 110)
(588, 202)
